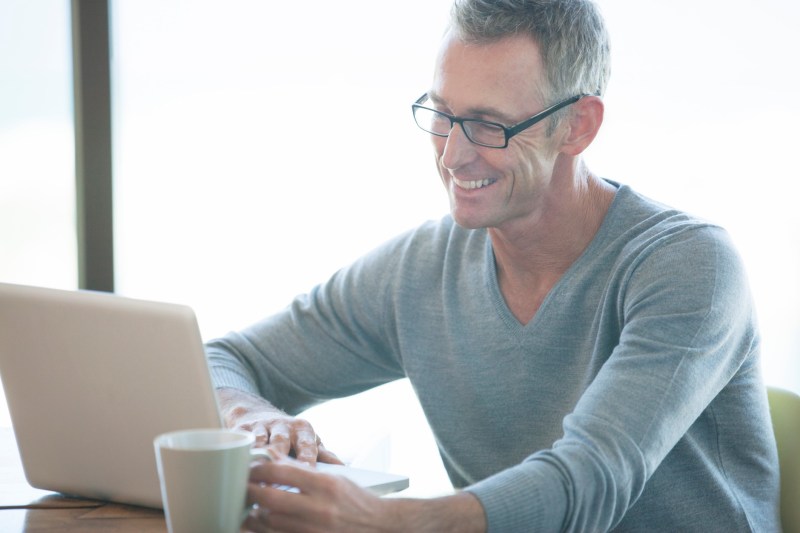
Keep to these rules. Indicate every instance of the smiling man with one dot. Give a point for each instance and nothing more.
(587, 358)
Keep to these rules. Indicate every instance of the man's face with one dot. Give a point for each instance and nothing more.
(500, 82)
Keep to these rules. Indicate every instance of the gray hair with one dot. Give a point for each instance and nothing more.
(571, 36)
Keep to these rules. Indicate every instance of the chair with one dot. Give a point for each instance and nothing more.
(785, 410)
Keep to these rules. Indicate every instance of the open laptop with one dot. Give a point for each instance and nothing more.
(91, 378)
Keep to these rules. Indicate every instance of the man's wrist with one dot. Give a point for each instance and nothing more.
(462, 513)
(236, 404)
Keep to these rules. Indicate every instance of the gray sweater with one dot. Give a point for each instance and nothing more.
(633, 400)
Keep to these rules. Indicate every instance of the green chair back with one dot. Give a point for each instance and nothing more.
(785, 410)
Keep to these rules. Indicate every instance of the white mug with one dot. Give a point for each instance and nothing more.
(203, 475)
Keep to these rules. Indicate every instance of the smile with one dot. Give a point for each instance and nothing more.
(477, 184)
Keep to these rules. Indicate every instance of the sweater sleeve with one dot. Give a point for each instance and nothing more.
(335, 341)
(687, 329)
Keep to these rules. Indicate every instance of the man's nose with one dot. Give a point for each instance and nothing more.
(458, 149)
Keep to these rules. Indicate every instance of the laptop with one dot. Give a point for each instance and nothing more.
(91, 378)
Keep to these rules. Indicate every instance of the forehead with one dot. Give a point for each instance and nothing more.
(506, 74)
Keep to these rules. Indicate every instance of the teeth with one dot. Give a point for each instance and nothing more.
(472, 184)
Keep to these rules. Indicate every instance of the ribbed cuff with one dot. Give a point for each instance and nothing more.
(522, 498)
(224, 375)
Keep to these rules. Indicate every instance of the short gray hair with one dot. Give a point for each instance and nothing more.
(571, 36)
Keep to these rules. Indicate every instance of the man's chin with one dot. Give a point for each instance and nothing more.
(468, 222)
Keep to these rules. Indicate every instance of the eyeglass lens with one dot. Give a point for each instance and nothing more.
(477, 131)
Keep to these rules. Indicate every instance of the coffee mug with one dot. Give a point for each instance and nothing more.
(203, 475)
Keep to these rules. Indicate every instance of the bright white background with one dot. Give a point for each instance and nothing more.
(262, 145)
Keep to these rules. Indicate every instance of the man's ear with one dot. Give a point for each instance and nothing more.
(584, 122)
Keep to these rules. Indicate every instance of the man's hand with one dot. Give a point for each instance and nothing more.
(325, 502)
(272, 427)
(331, 504)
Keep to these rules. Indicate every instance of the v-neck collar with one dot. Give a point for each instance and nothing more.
(493, 285)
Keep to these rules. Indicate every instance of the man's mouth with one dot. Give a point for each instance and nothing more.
(476, 184)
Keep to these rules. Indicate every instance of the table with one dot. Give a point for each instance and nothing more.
(26, 509)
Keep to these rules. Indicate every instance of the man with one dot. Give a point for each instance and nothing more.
(587, 358)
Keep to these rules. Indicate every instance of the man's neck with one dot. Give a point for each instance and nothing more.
(532, 254)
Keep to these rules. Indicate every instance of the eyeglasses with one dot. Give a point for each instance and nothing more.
(480, 132)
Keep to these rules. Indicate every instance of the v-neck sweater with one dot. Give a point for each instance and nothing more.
(632, 401)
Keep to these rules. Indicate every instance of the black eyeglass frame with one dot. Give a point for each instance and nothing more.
(508, 131)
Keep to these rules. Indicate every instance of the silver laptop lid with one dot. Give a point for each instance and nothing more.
(91, 379)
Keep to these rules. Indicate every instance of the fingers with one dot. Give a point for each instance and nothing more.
(324, 455)
(257, 521)
(272, 427)
(305, 445)
(296, 436)
(272, 503)
(324, 502)
(280, 437)
(282, 471)
(261, 434)
(287, 472)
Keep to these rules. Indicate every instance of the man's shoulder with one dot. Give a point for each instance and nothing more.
(642, 231)
(640, 215)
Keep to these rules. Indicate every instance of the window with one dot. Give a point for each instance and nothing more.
(37, 192)
(37, 176)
